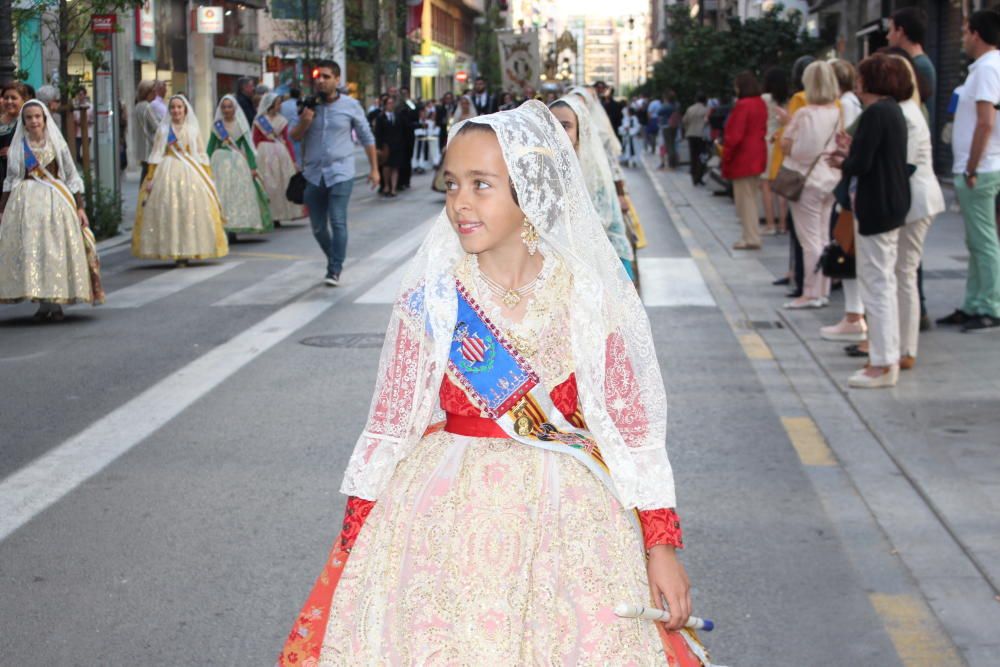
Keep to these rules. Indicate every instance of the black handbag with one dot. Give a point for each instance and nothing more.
(296, 190)
(835, 263)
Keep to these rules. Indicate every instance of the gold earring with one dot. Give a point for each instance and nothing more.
(529, 235)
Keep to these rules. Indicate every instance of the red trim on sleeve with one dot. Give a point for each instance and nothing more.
(661, 526)
(354, 518)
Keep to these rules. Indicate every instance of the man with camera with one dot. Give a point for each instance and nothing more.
(326, 119)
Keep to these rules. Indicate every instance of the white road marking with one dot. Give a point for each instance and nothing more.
(43, 482)
(386, 289)
(673, 281)
(165, 284)
(279, 287)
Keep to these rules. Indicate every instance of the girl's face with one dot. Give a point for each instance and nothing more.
(177, 111)
(479, 201)
(275, 106)
(567, 119)
(464, 103)
(12, 102)
(228, 110)
(34, 120)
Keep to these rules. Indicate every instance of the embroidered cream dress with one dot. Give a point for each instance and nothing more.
(42, 251)
(275, 160)
(181, 217)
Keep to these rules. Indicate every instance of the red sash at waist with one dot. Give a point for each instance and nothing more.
(476, 427)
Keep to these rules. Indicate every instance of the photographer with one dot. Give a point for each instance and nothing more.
(324, 128)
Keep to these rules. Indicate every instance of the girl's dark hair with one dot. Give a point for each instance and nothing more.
(747, 85)
(776, 84)
(472, 127)
(560, 103)
(881, 74)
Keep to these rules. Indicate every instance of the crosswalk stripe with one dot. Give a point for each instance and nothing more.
(386, 289)
(165, 284)
(672, 282)
(278, 287)
(43, 482)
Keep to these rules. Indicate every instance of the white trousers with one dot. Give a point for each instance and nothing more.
(911, 249)
(811, 216)
(876, 262)
(908, 256)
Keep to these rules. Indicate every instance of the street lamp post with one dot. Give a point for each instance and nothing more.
(7, 67)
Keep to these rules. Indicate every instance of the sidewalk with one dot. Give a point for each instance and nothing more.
(938, 430)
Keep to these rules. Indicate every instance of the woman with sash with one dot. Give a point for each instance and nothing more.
(575, 118)
(275, 158)
(178, 216)
(47, 251)
(508, 533)
(245, 206)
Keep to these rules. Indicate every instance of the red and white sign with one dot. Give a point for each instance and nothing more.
(103, 24)
(461, 76)
(210, 20)
(145, 25)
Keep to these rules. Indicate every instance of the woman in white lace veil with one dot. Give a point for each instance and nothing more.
(575, 118)
(511, 530)
(178, 217)
(47, 252)
(275, 158)
(245, 204)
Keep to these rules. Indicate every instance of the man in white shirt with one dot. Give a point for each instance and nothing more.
(976, 149)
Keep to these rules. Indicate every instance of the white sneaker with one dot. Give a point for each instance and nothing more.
(803, 305)
(862, 381)
(852, 332)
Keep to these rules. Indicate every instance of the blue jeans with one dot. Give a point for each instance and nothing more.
(328, 215)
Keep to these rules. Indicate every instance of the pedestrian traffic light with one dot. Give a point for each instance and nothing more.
(315, 73)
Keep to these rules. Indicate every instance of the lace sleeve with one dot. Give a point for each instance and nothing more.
(392, 407)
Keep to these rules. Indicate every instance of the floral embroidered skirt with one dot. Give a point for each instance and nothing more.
(485, 551)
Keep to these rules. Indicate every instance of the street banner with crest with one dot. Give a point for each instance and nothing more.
(519, 59)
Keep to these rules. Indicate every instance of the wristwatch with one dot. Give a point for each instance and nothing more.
(969, 174)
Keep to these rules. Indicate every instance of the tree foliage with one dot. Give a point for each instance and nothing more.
(702, 59)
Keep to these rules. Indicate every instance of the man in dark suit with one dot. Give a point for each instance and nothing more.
(481, 97)
(409, 119)
(442, 118)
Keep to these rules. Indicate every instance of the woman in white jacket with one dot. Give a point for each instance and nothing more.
(926, 201)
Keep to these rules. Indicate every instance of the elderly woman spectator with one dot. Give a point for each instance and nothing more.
(878, 160)
(809, 135)
(744, 156)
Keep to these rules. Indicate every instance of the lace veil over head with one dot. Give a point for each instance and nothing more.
(54, 138)
(620, 387)
(239, 117)
(609, 137)
(192, 140)
(597, 174)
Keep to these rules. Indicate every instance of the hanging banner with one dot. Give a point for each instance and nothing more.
(145, 25)
(210, 20)
(519, 60)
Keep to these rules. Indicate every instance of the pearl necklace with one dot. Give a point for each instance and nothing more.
(510, 297)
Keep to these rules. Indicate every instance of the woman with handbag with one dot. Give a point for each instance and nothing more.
(745, 156)
(808, 180)
(877, 159)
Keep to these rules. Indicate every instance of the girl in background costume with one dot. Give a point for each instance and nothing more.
(245, 206)
(575, 118)
(275, 158)
(178, 216)
(509, 533)
(47, 251)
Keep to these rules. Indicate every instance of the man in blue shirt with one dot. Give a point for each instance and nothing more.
(324, 128)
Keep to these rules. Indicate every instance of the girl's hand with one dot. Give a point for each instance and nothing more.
(844, 142)
(668, 581)
(149, 186)
(82, 215)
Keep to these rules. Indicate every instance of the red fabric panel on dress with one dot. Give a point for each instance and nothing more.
(454, 400)
(661, 526)
(305, 641)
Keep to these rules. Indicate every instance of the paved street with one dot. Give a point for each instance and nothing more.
(170, 460)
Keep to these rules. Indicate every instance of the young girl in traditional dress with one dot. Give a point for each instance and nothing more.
(275, 158)
(508, 533)
(245, 206)
(47, 251)
(575, 118)
(178, 216)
